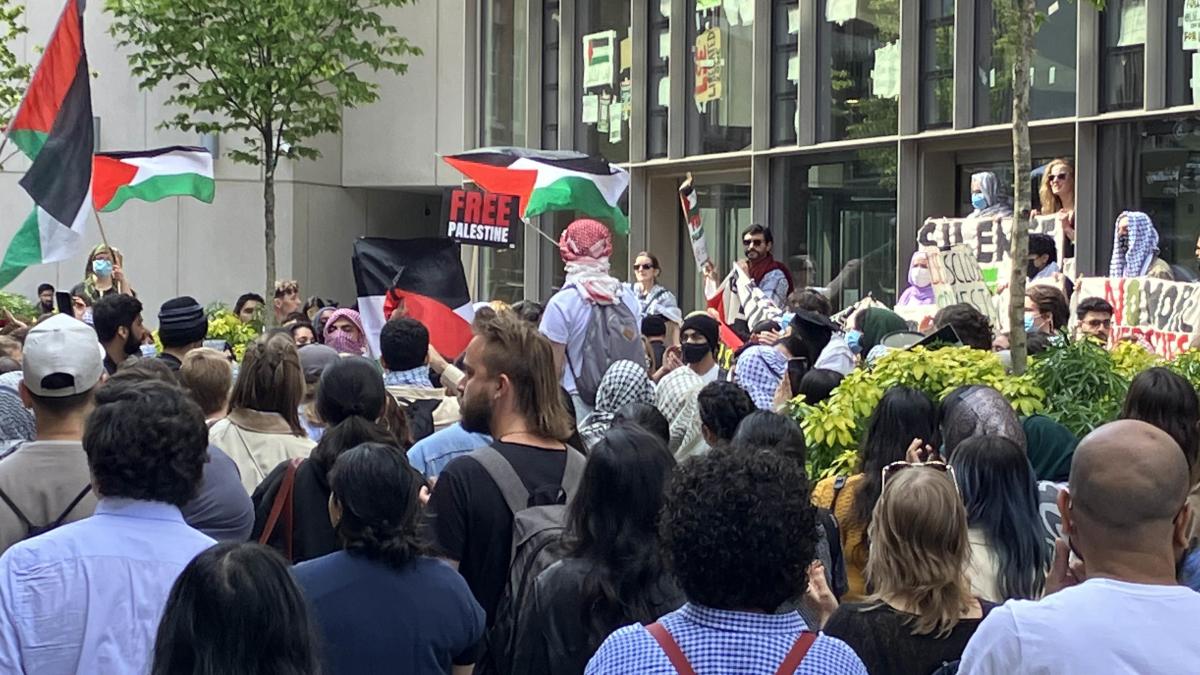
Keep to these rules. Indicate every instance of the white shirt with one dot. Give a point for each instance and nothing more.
(712, 374)
(836, 356)
(1099, 626)
(87, 597)
(565, 322)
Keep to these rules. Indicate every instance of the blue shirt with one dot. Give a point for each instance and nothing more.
(774, 286)
(722, 641)
(87, 597)
(430, 455)
(413, 377)
(374, 618)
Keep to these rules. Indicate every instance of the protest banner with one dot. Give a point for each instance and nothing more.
(1163, 314)
(739, 298)
(990, 239)
(481, 218)
(957, 278)
(695, 228)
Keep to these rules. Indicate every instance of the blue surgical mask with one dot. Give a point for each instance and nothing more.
(1028, 323)
(979, 201)
(854, 340)
(102, 268)
(148, 351)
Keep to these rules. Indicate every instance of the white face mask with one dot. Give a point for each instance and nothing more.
(921, 277)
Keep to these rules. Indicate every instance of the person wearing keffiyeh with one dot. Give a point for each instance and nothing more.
(1135, 248)
(677, 398)
(759, 371)
(625, 382)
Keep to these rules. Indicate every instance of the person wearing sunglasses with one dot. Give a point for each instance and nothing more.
(772, 277)
(1112, 601)
(921, 612)
(1095, 318)
(1057, 195)
(653, 298)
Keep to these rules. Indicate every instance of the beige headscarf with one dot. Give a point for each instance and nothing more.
(676, 399)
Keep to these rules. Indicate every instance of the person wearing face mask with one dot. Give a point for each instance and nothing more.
(700, 341)
(344, 332)
(103, 274)
(1043, 257)
(1046, 310)
(920, 285)
(1135, 248)
(985, 197)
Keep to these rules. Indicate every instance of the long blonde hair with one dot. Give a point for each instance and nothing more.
(515, 348)
(1051, 203)
(919, 550)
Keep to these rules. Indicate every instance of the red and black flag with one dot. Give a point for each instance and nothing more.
(426, 276)
(53, 126)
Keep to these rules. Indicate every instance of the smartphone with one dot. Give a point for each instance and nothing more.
(65, 303)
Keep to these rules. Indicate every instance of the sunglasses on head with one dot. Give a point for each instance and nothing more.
(894, 468)
(1060, 177)
(644, 266)
(753, 242)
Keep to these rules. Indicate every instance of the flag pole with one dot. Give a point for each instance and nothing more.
(103, 237)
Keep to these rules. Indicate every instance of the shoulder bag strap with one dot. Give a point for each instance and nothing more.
(17, 512)
(288, 529)
(71, 507)
(282, 499)
(504, 476)
(792, 661)
(573, 473)
(838, 484)
(671, 648)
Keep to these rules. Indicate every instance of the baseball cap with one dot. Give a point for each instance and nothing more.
(61, 358)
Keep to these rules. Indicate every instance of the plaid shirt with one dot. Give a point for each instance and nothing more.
(775, 287)
(413, 377)
(718, 641)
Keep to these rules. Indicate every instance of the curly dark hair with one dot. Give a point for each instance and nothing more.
(723, 406)
(146, 440)
(972, 327)
(403, 344)
(378, 492)
(738, 529)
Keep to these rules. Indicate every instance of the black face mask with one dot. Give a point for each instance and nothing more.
(694, 353)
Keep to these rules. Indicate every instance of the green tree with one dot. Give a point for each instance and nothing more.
(1024, 26)
(14, 75)
(278, 72)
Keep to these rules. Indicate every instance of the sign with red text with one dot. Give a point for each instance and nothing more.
(1163, 314)
(482, 218)
(957, 279)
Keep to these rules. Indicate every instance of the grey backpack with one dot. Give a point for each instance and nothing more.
(613, 334)
(536, 544)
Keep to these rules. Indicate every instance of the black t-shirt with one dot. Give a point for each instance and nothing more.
(467, 519)
(886, 645)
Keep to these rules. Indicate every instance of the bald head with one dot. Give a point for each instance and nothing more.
(1128, 475)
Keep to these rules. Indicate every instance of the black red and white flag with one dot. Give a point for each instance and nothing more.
(425, 276)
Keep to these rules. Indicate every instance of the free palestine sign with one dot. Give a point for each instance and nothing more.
(481, 218)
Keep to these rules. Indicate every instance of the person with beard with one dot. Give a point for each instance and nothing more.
(118, 322)
(511, 392)
(771, 276)
(45, 299)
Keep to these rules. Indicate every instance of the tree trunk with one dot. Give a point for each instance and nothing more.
(269, 225)
(1019, 252)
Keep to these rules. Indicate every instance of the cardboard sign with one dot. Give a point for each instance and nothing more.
(1164, 314)
(957, 279)
(482, 218)
(990, 239)
(708, 61)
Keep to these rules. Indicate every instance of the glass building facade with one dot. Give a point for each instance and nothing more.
(841, 124)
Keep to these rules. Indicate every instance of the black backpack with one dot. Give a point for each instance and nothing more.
(419, 415)
(32, 530)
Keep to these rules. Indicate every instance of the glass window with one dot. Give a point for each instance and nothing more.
(603, 69)
(658, 96)
(840, 218)
(1183, 47)
(858, 44)
(550, 37)
(1003, 170)
(1123, 34)
(503, 70)
(502, 271)
(1152, 166)
(785, 72)
(721, 76)
(937, 63)
(1052, 83)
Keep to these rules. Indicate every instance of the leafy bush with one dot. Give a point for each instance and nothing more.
(1083, 383)
(20, 306)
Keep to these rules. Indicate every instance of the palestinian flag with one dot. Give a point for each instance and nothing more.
(54, 127)
(550, 181)
(151, 175)
(426, 275)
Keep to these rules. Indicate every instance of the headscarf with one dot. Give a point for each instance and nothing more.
(990, 187)
(875, 323)
(343, 343)
(16, 421)
(1050, 447)
(1133, 253)
(978, 410)
(623, 383)
(914, 294)
(767, 263)
(759, 371)
(677, 399)
(321, 319)
(585, 247)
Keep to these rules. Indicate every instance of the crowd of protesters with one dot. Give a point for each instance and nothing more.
(596, 486)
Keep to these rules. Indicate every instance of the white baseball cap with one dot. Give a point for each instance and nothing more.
(60, 358)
